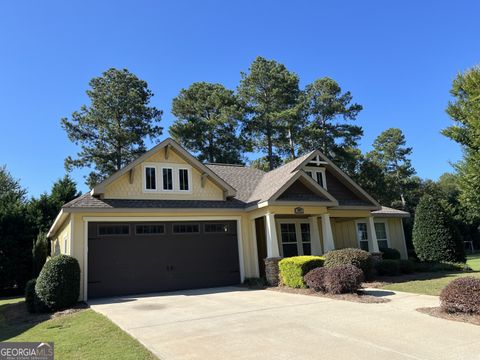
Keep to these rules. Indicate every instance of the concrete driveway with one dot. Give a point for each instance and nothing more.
(233, 323)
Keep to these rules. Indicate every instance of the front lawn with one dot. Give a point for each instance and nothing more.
(80, 335)
(433, 283)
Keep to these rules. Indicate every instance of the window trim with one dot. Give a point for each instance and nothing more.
(358, 238)
(144, 177)
(298, 234)
(162, 189)
(98, 229)
(189, 179)
(185, 233)
(151, 234)
(315, 171)
(216, 232)
(387, 232)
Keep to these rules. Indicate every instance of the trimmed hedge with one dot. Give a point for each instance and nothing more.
(390, 254)
(387, 267)
(351, 256)
(58, 285)
(435, 237)
(30, 295)
(293, 269)
(406, 266)
(461, 295)
(335, 280)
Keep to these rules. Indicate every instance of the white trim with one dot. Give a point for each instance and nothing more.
(316, 171)
(387, 231)
(72, 231)
(298, 234)
(162, 188)
(88, 219)
(189, 179)
(362, 221)
(365, 221)
(146, 166)
(327, 234)
(253, 234)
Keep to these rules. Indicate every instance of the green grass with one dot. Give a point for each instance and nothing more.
(82, 335)
(433, 283)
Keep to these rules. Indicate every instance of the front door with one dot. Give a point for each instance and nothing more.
(294, 237)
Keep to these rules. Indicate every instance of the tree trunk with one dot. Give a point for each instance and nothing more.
(292, 145)
(270, 147)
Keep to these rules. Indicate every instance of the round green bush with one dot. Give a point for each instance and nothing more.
(435, 238)
(58, 285)
(387, 267)
(350, 256)
(30, 295)
(406, 266)
(390, 254)
(461, 295)
(293, 269)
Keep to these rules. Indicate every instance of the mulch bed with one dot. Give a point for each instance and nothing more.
(360, 296)
(438, 312)
(18, 314)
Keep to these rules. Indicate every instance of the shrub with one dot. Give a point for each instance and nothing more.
(435, 238)
(406, 266)
(40, 252)
(343, 279)
(30, 295)
(350, 256)
(390, 254)
(255, 282)
(387, 267)
(293, 269)
(58, 285)
(315, 279)
(440, 266)
(461, 295)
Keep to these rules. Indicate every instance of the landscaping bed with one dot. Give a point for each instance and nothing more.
(438, 312)
(359, 296)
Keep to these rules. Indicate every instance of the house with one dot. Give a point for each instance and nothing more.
(169, 222)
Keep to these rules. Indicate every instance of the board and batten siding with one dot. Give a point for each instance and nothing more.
(123, 189)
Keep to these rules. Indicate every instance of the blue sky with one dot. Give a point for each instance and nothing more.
(398, 58)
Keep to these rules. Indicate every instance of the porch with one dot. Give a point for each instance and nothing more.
(283, 234)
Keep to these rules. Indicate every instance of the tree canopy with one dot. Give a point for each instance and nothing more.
(207, 120)
(111, 131)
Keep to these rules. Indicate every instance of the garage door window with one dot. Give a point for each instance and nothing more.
(113, 229)
(150, 229)
(216, 228)
(186, 228)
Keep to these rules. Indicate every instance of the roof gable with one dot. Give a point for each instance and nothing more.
(168, 145)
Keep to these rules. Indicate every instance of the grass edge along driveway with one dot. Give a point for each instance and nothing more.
(435, 284)
(81, 335)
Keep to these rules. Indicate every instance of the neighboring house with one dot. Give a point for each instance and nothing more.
(169, 222)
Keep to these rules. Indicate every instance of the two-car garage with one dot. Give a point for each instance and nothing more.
(140, 257)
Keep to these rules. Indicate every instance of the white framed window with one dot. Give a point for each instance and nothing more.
(167, 179)
(294, 237)
(382, 235)
(183, 179)
(149, 178)
(362, 235)
(318, 174)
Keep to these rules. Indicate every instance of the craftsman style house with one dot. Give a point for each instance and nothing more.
(169, 222)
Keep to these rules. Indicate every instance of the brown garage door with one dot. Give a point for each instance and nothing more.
(134, 258)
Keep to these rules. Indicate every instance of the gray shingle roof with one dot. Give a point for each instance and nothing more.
(390, 212)
(88, 201)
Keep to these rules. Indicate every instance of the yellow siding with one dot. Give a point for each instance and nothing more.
(60, 242)
(397, 236)
(344, 234)
(122, 189)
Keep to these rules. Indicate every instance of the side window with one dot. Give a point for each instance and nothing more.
(381, 232)
(116, 229)
(362, 236)
(215, 228)
(150, 178)
(167, 179)
(183, 180)
(186, 228)
(149, 229)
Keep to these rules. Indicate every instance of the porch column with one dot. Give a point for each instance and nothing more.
(328, 243)
(315, 236)
(372, 235)
(253, 234)
(271, 232)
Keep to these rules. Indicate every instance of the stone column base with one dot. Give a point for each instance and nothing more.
(271, 270)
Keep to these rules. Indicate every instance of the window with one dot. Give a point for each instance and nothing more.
(289, 240)
(381, 232)
(183, 179)
(215, 228)
(117, 229)
(317, 174)
(150, 229)
(150, 178)
(362, 236)
(306, 245)
(167, 179)
(186, 228)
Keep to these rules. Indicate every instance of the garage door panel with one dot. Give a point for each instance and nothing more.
(133, 263)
